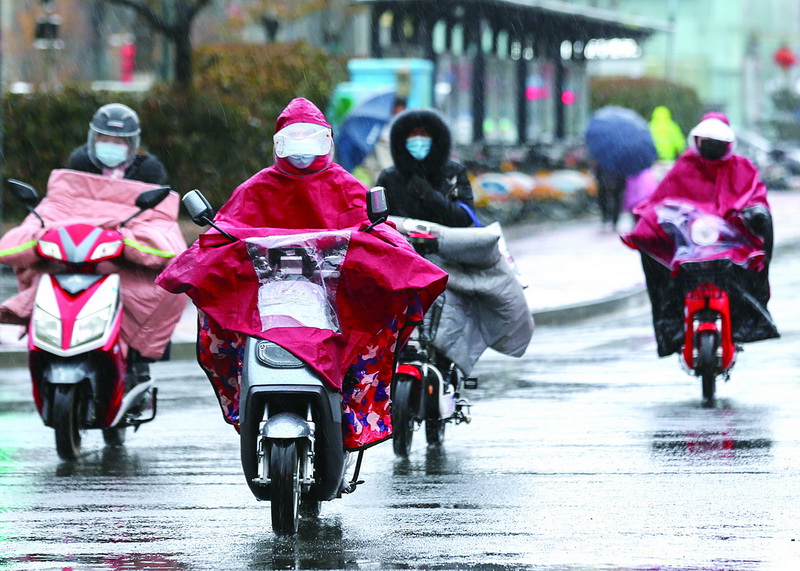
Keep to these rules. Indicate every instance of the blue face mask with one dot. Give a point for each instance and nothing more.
(419, 147)
(111, 154)
(301, 161)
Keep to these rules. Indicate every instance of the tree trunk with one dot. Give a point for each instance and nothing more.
(183, 58)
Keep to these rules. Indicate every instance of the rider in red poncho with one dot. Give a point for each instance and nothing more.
(384, 285)
(719, 182)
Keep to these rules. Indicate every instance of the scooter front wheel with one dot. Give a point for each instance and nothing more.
(706, 365)
(67, 408)
(284, 476)
(434, 425)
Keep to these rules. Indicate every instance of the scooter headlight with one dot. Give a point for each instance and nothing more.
(106, 250)
(704, 232)
(50, 250)
(47, 328)
(91, 327)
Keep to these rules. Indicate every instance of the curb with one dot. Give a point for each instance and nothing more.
(634, 297)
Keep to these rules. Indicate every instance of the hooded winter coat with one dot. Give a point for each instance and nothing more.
(430, 189)
(731, 189)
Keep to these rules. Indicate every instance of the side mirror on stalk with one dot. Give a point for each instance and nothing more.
(23, 192)
(377, 206)
(26, 194)
(147, 200)
(200, 211)
(152, 198)
(198, 207)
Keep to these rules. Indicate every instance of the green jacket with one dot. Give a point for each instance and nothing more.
(667, 135)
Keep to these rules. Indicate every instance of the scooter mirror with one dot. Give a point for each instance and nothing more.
(198, 207)
(377, 205)
(152, 198)
(24, 192)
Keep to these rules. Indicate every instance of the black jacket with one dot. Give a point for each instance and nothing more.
(144, 167)
(426, 189)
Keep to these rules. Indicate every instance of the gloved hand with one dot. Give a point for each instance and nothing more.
(758, 219)
(419, 187)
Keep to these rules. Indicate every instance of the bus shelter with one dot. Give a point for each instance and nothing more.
(506, 72)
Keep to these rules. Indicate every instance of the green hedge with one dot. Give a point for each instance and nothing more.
(211, 138)
(263, 78)
(645, 94)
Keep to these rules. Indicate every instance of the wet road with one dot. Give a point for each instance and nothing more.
(588, 453)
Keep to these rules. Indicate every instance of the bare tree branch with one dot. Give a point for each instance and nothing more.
(147, 13)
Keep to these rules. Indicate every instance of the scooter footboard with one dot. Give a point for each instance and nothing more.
(276, 401)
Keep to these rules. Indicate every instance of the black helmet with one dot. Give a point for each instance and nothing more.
(114, 120)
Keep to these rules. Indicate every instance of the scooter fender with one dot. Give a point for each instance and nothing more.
(286, 426)
(70, 372)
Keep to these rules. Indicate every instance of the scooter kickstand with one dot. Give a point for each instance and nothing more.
(355, 482)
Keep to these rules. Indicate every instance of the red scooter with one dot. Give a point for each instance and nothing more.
(81, 376)
(707, 253)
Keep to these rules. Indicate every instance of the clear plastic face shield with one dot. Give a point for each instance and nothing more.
(303, 139)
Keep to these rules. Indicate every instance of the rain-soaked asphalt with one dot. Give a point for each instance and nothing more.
(588, 453)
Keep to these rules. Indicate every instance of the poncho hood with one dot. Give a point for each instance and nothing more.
(301, 110)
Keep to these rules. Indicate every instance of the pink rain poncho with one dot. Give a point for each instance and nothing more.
(383, 286)
(152, 240)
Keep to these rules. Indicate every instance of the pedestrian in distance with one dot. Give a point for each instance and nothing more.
(667, 135)
(610, 192)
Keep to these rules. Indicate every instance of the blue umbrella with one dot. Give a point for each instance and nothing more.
(619, 140)
(361, 128)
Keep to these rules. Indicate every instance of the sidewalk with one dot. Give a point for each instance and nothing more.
(574, 269)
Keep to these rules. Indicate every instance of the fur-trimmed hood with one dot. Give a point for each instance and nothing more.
(441, 145)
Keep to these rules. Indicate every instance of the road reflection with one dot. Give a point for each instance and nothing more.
(116, 461)
(129, 562)
(319, 544)
(727, 434)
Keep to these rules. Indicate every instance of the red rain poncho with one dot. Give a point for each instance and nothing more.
(721, 187)
(379, 275)
(725, 188)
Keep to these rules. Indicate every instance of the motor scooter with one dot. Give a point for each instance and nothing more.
(427, 387)
(83, 377)
(708, 250)
(290, 420)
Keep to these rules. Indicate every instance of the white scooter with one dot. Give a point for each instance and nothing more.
(290, 421)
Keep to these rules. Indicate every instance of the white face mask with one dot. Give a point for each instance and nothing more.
(301, 161)
(111, 154)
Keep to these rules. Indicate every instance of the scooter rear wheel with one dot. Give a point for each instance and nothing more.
(402, 415)
(284, 475)
(67, 408)
(706, 364)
